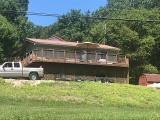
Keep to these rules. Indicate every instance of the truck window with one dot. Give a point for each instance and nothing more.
(8, 65)
(16, 65)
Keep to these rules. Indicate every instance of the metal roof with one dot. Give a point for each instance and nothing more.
(56, 38)
(152, 77)
(65, 43)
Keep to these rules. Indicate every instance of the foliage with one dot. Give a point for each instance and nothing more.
(74, 26)
(35, 31)
(136, 39)
(8, 37)
(139, 70)
(13, 30)
(12, 7)
(150, 69)
(127, 4)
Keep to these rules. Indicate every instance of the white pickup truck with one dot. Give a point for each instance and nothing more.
(16, 70)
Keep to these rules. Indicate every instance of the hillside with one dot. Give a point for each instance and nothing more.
(76, 98)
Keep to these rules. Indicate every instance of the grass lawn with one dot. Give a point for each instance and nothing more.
(78, 101)
(23, 109)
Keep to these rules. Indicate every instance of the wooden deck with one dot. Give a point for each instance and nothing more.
(74, 57)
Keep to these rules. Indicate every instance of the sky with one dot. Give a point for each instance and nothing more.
(59, 7)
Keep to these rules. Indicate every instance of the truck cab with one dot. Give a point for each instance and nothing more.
(9, 69)
(15, 70)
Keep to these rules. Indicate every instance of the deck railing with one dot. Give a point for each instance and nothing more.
(77, 57)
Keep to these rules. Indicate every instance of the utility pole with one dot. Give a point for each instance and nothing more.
(103, 41)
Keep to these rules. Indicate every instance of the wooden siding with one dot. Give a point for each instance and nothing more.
(146, 79)
(67, 71)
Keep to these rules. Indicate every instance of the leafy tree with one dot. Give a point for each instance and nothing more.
(8, 37)
(74, 26)
(136, 39)
(35, 31)
(101, 12)
(127, 4)
(14, 12)
(139, 70)
(12, 9)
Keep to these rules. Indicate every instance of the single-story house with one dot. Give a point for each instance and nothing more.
(73, 60)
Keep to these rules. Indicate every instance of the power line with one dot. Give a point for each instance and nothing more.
(43, 14)
(58, 15)
(29, 13)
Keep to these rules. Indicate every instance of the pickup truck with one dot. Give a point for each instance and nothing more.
(16, 70)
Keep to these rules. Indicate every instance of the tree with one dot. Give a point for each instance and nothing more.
(8, 37)
(128, 4)
(137, 40)
(12, 9)
(74, 26)
(14, 16)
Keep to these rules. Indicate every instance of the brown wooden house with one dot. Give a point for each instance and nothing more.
(72, 60)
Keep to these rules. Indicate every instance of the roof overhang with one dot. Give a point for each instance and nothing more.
(66, 44)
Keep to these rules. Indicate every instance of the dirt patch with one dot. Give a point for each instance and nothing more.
(15, 82)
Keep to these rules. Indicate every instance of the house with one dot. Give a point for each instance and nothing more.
(73, 60)
(147, 79)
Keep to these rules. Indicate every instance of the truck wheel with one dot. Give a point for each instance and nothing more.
(33, 76)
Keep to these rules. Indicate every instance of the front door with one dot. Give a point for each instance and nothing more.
(7, 70)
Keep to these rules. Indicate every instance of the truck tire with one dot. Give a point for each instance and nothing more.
(33, 76)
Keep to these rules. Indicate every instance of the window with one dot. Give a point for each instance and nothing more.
(8, 65)
(16, 65)
(101, 54)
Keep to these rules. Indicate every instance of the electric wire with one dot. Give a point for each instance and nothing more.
(91, 17)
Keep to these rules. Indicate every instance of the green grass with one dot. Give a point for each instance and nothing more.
(38, 109)
(78, 101)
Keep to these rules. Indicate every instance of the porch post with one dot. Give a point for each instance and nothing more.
(75, 56)
(116, 59)
(96, 58)
(106, 58)
(64, 55)
(42, 54)
(53, 55)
